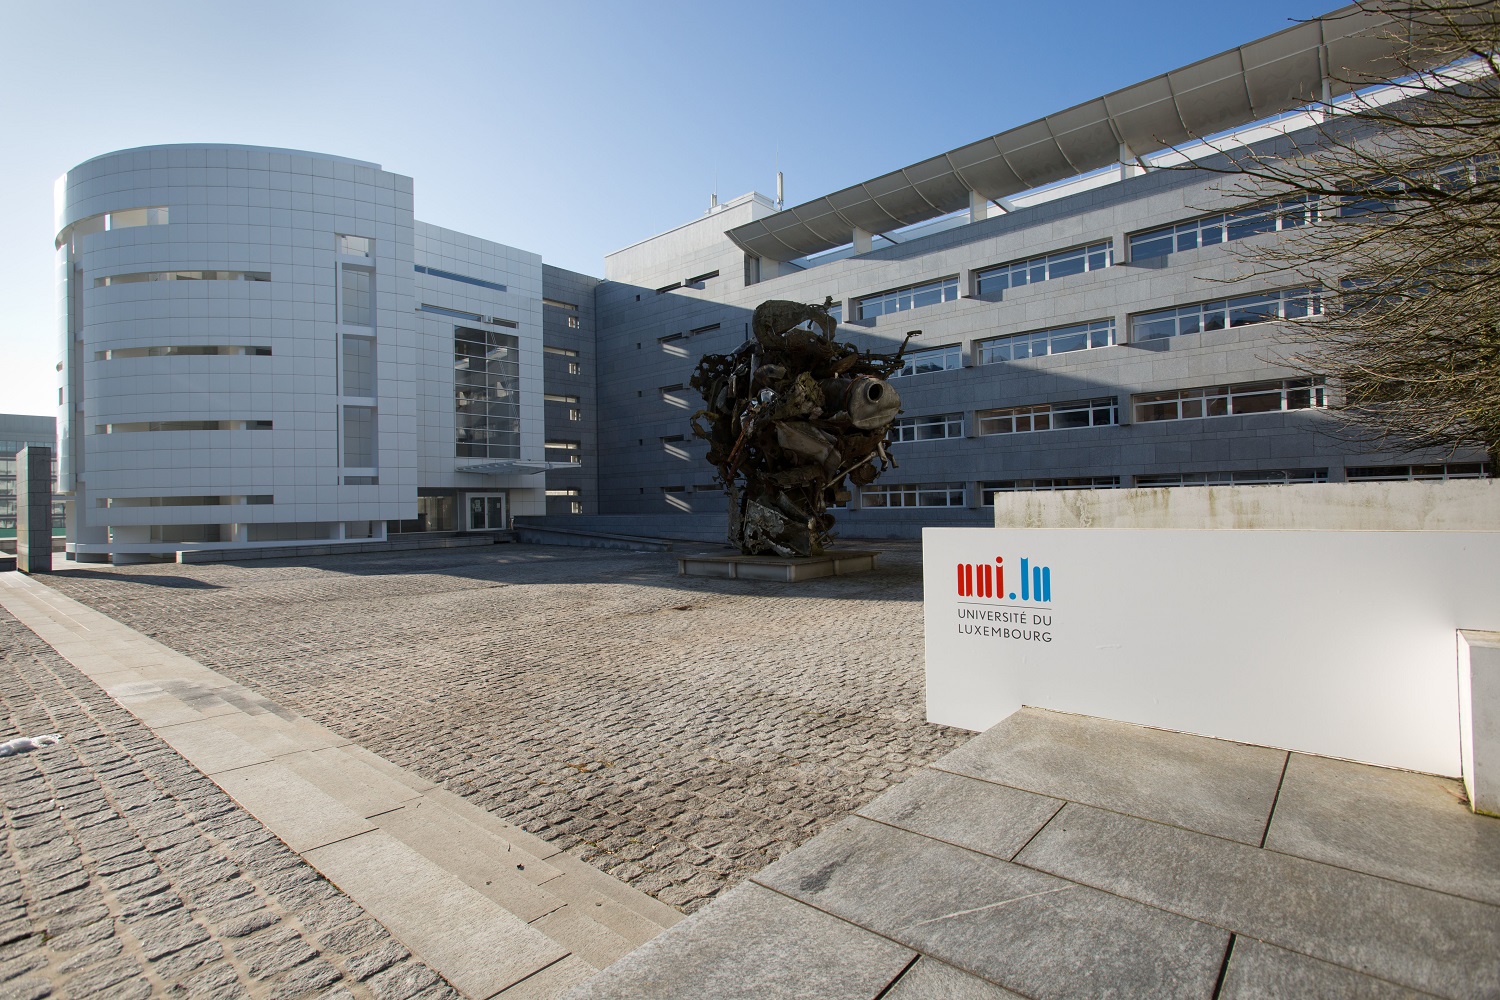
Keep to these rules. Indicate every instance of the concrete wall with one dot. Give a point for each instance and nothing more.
(1472, 505)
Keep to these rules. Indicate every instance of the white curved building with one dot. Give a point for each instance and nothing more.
(258, 344)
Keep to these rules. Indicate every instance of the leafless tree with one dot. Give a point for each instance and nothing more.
(1406, 239)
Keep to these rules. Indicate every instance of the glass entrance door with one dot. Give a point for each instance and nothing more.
(487, 512)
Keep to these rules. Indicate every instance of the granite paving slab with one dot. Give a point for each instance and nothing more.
(1397, 824)
(1259, 971)
(929, 979)
(980, 815)
(1019, 928)
(1419, 938)
(1212, 786)
(754, 944)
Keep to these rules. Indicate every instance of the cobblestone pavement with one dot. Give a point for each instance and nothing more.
(677, 733)
(126, 873)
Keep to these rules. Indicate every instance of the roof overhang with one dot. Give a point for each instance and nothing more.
(1350, 48)
(514, 467)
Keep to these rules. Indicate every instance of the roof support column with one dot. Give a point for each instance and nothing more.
(863, 242)
(1130, 164)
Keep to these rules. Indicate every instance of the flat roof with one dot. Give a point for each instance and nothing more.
(1350, 48)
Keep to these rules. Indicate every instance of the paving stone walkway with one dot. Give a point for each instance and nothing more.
(679, 734)
(125, 872)
(1057, 856)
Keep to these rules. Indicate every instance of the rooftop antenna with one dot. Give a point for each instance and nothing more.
(780, 190)
(713, 199)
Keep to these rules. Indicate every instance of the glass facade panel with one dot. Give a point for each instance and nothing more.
(911, 297)
(1245, 310)
(359, 437)
(1215, 229)
(933, 359)
(486, 391)
(1058, 340)
(1223, 400)
(359, 366)
(358, 296)
(1093, 257)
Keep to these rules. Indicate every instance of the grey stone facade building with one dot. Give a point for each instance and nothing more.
(1070, 327)
(1079, 315)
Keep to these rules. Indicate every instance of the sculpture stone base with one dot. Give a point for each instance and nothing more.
(841, 563)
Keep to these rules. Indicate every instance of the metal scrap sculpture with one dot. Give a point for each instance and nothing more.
(789, 416)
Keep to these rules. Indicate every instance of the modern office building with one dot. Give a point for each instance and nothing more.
(16, 432)
(261, 346)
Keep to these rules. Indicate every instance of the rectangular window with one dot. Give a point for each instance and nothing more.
(1257, 477)
(183, 425)
(555, 304)
(359, 366)
(989, 489)
(564, 451)
(912, 495)
(354, 246)
(487, 393)
(127, 279)
(910, 297)
(553, 397)
(1292, 213)
(674, 395)
(1057, 340)
(837, 312)
(929, 428)
(358, 296)
(933, 359)
(193, 350)
(574, 323)
(563, 493)
(1101, 412)
(359, 437)
(451, 276)
(562, 352)
(1221, 314)
(1229, 400)
(1077, 260)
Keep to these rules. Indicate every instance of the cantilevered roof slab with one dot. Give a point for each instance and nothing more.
(1262, 78)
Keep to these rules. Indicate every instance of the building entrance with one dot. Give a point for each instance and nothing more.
(487, 512)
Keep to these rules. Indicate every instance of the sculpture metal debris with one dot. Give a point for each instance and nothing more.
(789, 417)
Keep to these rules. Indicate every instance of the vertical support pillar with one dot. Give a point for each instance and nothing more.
(979, 207)
(34, 509)
(863, 242)
(1479, 718)
(1130, 164)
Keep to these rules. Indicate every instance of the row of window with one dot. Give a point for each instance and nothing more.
(1207, 230)
(1218, 314)
(185, 350)
(1178, 404)
(255, 499)
(953, 494)
(182, 425)
(466, 279)
(128, 279)
(1211, 230)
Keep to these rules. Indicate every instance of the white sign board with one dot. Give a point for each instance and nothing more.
(1339, 643)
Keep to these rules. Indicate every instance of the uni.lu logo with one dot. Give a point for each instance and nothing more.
(984, 580)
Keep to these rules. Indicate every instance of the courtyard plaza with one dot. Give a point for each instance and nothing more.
(497, 771)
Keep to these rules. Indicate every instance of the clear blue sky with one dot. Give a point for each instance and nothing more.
(566, 128)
